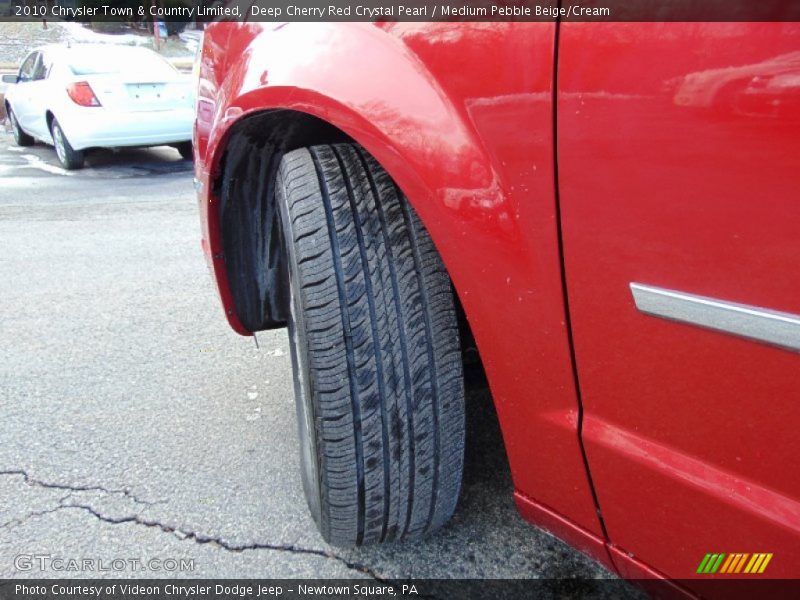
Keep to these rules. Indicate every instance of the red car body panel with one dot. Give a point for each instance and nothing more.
(461, 115)
(665, 180)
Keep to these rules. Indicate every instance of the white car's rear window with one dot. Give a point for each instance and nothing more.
(123, 61)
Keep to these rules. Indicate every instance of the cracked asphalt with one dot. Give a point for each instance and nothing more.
(135, 424)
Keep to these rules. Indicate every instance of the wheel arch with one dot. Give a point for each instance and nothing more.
(408, 124)
(247, 220)
(248, 226)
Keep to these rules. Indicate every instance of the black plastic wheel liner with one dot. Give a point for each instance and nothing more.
(248, 217)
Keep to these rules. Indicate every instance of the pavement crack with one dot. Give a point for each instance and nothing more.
(10, 524)
(137, 519)
(30, 480)
(200, 538)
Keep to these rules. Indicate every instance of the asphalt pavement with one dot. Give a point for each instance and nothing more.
(135, 424)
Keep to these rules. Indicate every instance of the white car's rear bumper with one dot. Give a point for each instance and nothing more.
(87, 127)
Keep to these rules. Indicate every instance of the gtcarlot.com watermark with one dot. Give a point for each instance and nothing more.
(49, 562)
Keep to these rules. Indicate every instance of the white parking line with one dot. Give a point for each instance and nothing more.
(34, 162)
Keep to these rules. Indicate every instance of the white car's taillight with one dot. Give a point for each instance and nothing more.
(82, 94)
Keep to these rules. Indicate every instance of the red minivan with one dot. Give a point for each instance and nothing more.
(609, 212)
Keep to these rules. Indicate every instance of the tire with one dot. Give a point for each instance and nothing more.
(185, 148)
(20, 137)
(68, 157)
(375, 350)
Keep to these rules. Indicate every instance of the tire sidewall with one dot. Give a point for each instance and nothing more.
(67, 155)
(15, 128)
(61, 150)
(303, 392)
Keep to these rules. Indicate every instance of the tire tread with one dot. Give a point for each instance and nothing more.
(382, 348)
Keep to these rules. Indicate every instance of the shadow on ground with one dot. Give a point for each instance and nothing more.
(149, 161)
(486, 517)
(113, 163)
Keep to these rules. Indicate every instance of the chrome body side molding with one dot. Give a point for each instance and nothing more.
(761, 324)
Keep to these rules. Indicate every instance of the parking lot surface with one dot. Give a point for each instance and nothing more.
(136, 425)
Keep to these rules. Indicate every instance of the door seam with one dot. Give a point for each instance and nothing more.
(564, 290)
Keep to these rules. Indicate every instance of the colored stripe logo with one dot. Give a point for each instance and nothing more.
(735, 562)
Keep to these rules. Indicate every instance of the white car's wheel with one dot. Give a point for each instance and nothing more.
(67, 156)
(20, 137)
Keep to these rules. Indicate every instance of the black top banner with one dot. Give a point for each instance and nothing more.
(399, 10)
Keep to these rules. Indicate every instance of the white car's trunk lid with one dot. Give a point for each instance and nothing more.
(130, 94)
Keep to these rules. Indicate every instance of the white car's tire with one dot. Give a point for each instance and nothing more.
(20, 137)
(68, 157)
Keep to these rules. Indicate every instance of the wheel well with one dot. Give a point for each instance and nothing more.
(250, 227)
(49, 116)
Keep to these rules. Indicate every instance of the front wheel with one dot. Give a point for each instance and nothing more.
(68, 157)
(20, 137)
(375, 350)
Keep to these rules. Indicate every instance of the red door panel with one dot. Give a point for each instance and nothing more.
(679, 168)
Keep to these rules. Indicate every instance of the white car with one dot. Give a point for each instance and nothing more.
(99, 95)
